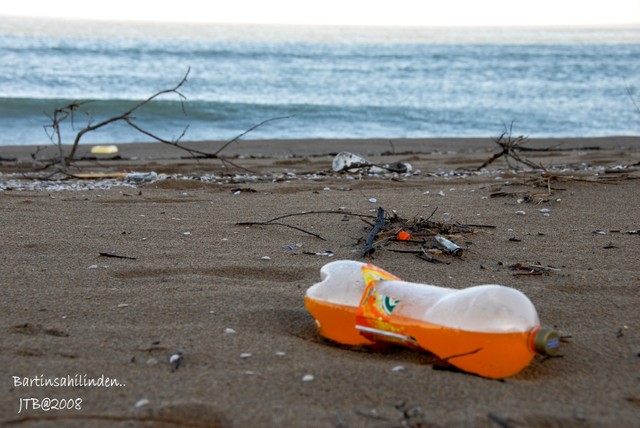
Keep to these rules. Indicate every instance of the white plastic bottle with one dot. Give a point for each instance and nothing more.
(490, 330)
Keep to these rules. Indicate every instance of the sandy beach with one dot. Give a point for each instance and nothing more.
(229, 299)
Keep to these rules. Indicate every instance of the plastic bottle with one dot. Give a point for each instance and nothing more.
(489, 330)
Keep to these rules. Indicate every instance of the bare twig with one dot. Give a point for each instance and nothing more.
(275, 223)
(117, 256)
(426, 257)
(253, 128)
(509, 145)
(68, 110)
(368, 247)
(321, 212)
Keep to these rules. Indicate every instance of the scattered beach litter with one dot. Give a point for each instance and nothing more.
(448, 246)
(176, 360)
(351, 162)
(327, 253)
(141, 176)
(345, 161)
(141, 403)
(77, 181)
(345, 165)
(422, 237)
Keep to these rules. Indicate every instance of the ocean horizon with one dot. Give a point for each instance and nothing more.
(331, 82)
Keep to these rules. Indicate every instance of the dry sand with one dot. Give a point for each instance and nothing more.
(67, 310)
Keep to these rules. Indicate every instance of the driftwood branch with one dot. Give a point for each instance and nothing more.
(126, 117)
(346, 213)
(253, 128)
(274, 221)
(509, 149)
(216, 155)
(69, 111)
(368, 246)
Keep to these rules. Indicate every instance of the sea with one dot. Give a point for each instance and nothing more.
(314, 82)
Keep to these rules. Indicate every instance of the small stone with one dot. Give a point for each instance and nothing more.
(307, 378)
(229, 331)
(245, 355)
(142, 402)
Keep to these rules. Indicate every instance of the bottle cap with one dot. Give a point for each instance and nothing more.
(546, 341)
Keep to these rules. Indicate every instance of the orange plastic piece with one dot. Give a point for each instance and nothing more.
(336, 322)
(492, 355)
(403, 236)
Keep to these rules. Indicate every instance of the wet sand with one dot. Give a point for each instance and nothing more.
(230, 298)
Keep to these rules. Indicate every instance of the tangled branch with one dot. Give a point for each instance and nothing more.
(510, 146)
(63, 113)
(68, 112)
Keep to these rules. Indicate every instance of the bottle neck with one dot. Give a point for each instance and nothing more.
(544, 341)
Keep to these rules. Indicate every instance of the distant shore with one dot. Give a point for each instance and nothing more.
(322, 33)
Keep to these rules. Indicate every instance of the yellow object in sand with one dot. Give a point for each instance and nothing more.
(104, 150)
(96, 175)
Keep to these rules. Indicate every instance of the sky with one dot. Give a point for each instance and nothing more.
(345, 12)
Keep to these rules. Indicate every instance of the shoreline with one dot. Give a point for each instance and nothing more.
(316, 146)
(251, 161)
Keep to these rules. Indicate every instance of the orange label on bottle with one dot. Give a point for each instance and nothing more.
(374, 311)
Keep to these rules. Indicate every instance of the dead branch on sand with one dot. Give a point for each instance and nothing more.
(510, 146)
(274, 221)
(69, 111)
(62, 113)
